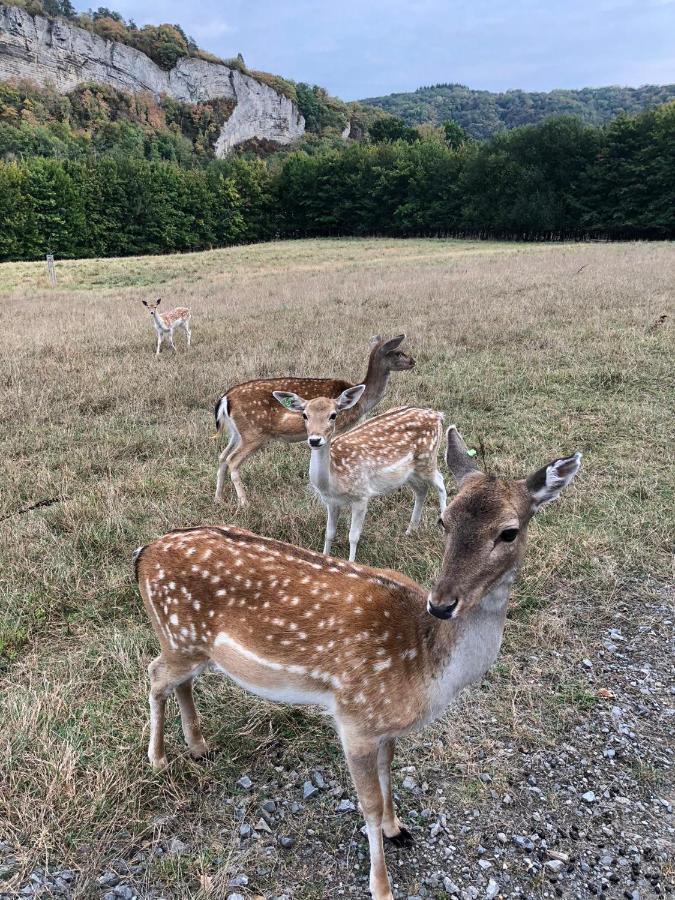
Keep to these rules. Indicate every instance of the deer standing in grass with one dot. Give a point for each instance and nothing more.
(253, 417)
(166, 323)
(380, 653)
(377, 457)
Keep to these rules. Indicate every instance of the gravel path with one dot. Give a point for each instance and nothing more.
(590, 817)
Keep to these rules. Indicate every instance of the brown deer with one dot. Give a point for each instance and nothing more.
(253, 417)
(166, 323)
(379, 652)
(377, 457)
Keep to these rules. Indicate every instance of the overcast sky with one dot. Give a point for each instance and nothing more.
(364, 48)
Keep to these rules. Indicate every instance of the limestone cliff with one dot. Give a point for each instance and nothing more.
(56, 52)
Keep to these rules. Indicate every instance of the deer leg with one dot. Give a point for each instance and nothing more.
(362, 760)
(189, 718)
(358, 515)
(232, 444)
(420, 489)
(439, 484)
(159, 343)
(331, 526)
(165, 677)
(236, 458)
(171, 343)
(391, 826)
(188, 332)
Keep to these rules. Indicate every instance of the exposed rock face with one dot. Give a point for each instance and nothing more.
(55, 52)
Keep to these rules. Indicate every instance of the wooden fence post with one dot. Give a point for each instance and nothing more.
(51, 270)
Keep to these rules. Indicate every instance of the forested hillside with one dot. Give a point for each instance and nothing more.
(483, 113)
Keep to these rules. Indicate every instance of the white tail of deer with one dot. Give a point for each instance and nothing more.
(380, 653)
(379, 456)
(166, 323)
(253, 418)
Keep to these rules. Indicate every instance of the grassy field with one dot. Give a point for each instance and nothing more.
(536, 350)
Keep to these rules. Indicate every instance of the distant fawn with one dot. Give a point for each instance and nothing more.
(379, 652)
(395, 448)
(253, 418)
(166, 323)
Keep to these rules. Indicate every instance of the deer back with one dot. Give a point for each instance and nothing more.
(290, 624)
(383, 451)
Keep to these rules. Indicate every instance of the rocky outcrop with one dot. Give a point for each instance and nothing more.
(55, 52)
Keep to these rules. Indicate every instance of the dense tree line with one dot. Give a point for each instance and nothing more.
(558, 179)
(483, 113)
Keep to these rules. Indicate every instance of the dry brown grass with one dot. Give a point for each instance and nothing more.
(513, 343)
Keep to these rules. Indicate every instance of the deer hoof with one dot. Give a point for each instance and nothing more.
(403, 839)
(199, 751)
(159, 763)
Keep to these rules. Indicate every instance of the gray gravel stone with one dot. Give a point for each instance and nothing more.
(177, 846)
(554, 865)
(309, 790)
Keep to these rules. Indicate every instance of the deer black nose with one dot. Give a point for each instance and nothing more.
(315, 441)
(443, 610)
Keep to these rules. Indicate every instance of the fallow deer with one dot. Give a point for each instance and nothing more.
(253, 418)
(377, 457)
(379, 652)
(166, 323)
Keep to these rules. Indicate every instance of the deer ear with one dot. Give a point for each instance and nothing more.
(290, 400)
(159, 301)
(546, 483)
(457, 456)
(350, 397)
(375, 340)
(392, 344)
(144, 302)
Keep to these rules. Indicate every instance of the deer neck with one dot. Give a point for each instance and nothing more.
(462, 650)
(319, 468)
(160, 324)
(376, 380)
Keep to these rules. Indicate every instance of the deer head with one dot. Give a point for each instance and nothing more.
(486, 525)
(320, 414)
(389, 355)
(151, 306)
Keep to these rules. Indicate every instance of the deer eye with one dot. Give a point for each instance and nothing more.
(304, 416)
(333, 416)
(509, 535)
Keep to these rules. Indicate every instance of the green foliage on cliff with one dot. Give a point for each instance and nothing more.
(483, 113)
(95, 118)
